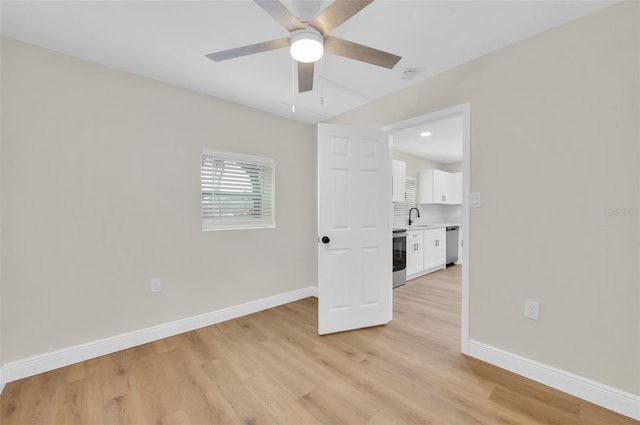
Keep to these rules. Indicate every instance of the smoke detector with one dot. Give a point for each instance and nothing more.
(409, 74)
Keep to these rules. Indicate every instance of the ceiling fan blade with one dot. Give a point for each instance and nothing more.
(281, 14)
(337, 13)
(349, 49)
(305, 77)
(249, 50)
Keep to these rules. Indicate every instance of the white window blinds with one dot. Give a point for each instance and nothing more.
(401, 209)
(237, 191)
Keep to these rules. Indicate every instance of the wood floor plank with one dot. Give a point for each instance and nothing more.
(124, 409)
(114, 374)
(16, 402)
(236, 400)
(278, 401)
(196, 398)
(80, 396)
(272, 368)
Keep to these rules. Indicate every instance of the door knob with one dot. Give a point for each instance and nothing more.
(325, 239)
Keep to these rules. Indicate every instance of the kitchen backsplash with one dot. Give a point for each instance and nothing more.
(434, 214)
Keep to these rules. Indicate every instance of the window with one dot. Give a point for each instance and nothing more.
(237, 191)
(401, 209)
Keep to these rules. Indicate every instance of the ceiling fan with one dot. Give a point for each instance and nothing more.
(308, 41)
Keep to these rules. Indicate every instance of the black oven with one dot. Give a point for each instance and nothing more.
(399, 257)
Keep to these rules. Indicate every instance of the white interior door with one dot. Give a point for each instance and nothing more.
(355, 238)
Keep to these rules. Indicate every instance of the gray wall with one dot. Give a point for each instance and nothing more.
(415, 163)
(1, 126)
(555, 152)
(454, 167)
(101, 191)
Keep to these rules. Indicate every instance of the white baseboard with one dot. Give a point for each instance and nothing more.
(603, 395)
(1, 381)
(53, 360)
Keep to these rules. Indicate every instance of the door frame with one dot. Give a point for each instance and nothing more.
(465, 111)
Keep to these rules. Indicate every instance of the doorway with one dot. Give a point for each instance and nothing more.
(462, 115)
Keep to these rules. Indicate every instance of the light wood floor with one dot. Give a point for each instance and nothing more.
(272, 367)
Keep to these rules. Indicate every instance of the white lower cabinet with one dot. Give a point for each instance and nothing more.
(415, 256)
(435, 249)
(426, 251)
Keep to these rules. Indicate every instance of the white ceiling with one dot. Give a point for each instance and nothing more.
(443, 144)
(168, 41)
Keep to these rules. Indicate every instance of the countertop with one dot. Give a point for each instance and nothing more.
(427, 226)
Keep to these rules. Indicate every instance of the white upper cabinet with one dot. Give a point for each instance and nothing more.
(439, 187)
(430, 187)
(448, 188)
(398, 176)
(458, 188)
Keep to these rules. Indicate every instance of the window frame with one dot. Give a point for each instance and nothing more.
(401, 209)
(238, 222)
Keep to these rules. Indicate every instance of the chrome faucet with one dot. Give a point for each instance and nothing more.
(417, 210)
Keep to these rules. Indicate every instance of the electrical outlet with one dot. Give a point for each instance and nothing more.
(155, 286)
(532, 310)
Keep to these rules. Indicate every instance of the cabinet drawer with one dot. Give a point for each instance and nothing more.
(414, 236)
(434, 234)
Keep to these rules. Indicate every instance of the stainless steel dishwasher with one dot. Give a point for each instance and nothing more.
(452, 244)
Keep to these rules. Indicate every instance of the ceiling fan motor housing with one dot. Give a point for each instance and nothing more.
(306, 45)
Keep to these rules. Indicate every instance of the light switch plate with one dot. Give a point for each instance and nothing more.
(155, 286)
(475, 200)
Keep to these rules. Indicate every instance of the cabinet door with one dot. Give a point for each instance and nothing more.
(425, 187)
(415, 260)
(439, 195)
(448, 188)
(430, 187)
(435, 248)
(398, 176)
(436, 187)
(457, 199)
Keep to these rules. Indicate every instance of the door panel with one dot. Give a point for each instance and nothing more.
(339, 203)
(354, 202)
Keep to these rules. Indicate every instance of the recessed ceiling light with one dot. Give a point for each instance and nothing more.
(425, 134)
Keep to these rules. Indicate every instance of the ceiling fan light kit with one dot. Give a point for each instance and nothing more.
(306, 46)
(308, 42)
